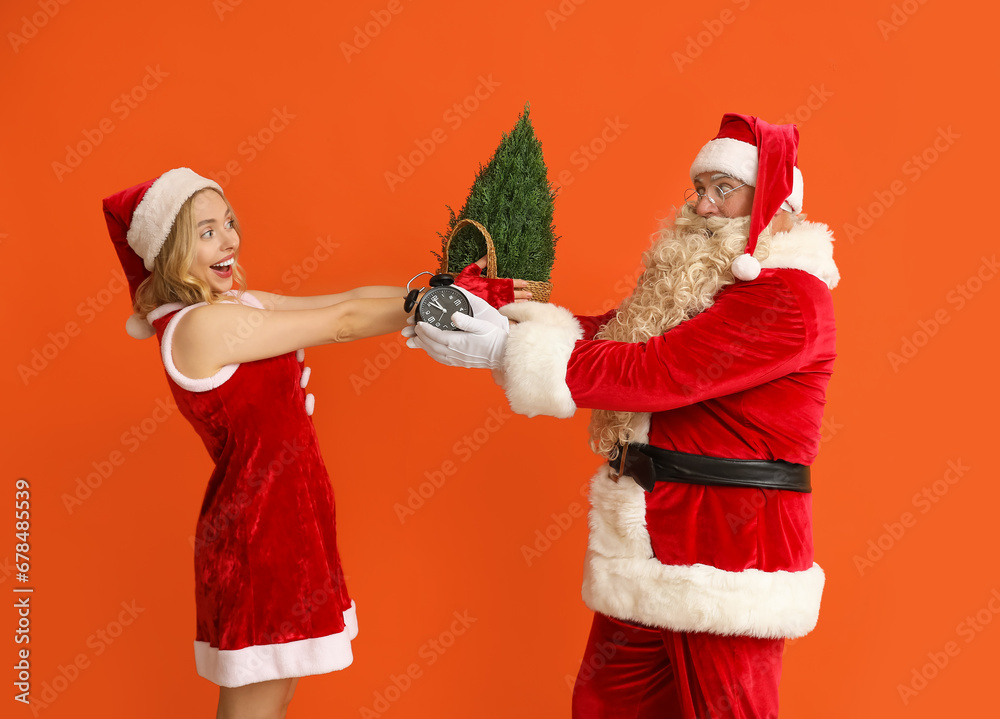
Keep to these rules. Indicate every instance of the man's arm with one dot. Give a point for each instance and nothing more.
(754, 333)
(592, 324)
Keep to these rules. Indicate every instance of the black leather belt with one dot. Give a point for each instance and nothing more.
(648, 465)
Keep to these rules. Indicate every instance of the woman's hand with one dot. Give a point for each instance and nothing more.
(498, 292)
(520, 294)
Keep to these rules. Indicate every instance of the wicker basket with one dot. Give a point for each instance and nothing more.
(540, 290)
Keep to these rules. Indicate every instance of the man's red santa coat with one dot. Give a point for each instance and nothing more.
(744, 379)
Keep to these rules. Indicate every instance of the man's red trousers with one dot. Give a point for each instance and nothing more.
(636, 672)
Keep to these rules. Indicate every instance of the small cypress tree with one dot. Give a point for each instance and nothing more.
(513, 198)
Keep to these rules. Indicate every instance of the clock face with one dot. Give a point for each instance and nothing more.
(438, 304)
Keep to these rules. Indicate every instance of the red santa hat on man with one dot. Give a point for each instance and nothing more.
(139, 220)
(763, 156)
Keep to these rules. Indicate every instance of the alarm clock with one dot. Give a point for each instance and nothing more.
(440, 302)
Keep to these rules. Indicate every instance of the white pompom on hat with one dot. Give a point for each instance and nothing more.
(139, 219)
(763, 156)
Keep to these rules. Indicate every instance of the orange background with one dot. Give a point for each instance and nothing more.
(868, 95)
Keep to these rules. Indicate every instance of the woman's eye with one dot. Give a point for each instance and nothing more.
(230, 223)
(206, 233)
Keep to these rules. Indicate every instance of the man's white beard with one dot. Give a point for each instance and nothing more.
(687, 266)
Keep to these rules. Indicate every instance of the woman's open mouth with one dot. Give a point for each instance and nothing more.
(224, 269)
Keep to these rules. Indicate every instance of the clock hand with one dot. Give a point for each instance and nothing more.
(436, 304)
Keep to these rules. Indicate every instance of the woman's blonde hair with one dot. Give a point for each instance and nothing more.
(687, 266)
(171, 280)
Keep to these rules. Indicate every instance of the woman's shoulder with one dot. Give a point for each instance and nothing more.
(185, 332)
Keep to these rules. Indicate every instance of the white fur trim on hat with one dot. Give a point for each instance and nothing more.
(746, 267)
(155, 214)
(536, 356)
(794, 201)
(739, 160)
(724, 154)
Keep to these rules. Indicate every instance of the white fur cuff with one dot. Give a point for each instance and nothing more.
(536, 357)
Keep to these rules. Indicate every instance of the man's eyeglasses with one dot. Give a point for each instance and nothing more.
(715, 194)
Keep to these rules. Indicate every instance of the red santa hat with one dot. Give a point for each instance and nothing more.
(763, 156)
(139, 220)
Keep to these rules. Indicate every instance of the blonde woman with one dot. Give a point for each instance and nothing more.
(271, 600)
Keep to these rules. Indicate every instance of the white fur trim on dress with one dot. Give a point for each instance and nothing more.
(623, 579)
(155, 214)
(536, 356)
(202, 384)
(807, 246)
(261, 663)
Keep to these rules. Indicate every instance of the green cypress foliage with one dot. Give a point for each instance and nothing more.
(513, 198)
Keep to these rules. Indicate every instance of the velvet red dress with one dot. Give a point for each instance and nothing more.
(269, 589)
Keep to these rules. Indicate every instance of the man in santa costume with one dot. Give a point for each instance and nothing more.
(707, 386)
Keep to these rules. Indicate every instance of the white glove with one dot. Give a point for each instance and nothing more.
(479, 343)
(408, 331)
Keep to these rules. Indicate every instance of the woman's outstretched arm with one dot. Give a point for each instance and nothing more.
(211, 337)
(275, 301)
